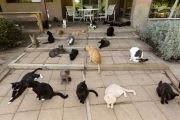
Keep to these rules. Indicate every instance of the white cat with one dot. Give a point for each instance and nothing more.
(137, 55)
(112, 92)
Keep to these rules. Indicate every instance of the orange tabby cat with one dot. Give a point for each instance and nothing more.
(78, 32)
(94, 55)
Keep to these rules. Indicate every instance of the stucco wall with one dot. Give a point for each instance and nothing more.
(54, 8)
(140, 12)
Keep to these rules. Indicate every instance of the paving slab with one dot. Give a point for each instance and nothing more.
(150, 112)
(47, 114)
(101, 112)
(29, 115)
(75, 113)
(171, 110)
(127, 112)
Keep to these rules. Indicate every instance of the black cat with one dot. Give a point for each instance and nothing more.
(128, 23)
(46, 24)
(19, 87)
(165, 91)
(73, 54)
(44, 91)
(106, 22)
(50, 38)
(110, 31)
(82, 91)
(115, 24)
(104, 43)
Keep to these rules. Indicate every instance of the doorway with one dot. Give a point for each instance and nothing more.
(124, 9)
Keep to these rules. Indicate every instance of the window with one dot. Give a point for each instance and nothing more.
(162, 9)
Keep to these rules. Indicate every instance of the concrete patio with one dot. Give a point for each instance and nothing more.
(116, 69)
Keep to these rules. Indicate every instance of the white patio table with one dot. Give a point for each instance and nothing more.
(90, 15)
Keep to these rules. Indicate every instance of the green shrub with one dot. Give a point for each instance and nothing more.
(164, 37)
(10, 35)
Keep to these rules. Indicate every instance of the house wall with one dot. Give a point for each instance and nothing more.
(140, 13)
(54, 8)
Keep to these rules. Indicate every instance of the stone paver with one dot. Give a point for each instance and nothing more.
(149, 111)
(29, 115)
(127, 112)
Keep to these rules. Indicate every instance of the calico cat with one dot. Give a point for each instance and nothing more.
(82, 92)
(44, 91)
(73, 54)
(112, 92)
(56, 51)
(50, 38)
(95, 56)
(19, 87)
(137, 55)
(64, 74)
(110, 31)
(165, 91)
(34, 41)
(93, 24)
(70, 40)
(104, 43)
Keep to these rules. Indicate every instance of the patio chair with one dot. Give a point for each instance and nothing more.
(69, 12)
(108, 12)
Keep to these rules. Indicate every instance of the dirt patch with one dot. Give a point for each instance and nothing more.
(7, 56)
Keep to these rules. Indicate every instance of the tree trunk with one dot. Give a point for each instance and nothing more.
(173, 8)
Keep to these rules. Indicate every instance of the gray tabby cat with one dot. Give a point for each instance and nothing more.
(56, 51)
(64, 74)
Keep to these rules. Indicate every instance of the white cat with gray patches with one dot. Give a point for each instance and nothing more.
(70, 40)
(137, 55)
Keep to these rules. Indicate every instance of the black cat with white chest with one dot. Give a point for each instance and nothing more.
(44, 91)
(19, 87)
(82, 92)
(165, 91)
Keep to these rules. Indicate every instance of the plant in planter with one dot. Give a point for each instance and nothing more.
(10, 35)
(164, 37)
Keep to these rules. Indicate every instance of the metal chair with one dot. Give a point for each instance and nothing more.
(69, 12)
(111, 11)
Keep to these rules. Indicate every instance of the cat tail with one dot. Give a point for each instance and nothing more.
(46, 43)
(99, 68)
(93, 92)
(36, 70)
(130, 91)
(143, 60)
(60, 94)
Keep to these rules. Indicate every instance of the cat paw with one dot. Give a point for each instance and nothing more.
(108, 106)
(41, 76)
(9, 103)
(11, 98)
(43, 99)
